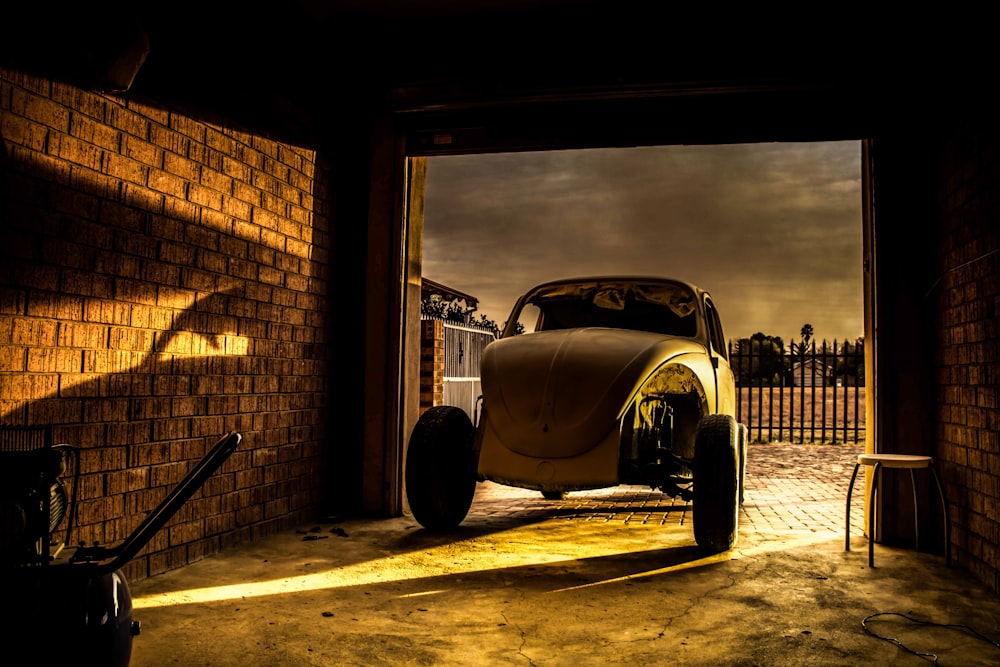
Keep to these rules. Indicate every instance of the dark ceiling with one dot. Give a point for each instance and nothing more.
(508, 71)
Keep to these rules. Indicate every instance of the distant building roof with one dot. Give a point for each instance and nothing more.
(430, 288)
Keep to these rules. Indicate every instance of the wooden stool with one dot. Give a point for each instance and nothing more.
(907, 461)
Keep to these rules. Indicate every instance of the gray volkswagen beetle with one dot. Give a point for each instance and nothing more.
(595, 382)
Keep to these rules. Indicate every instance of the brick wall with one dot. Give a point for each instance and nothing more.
(163, 281)
(431, 363)
(967, 367)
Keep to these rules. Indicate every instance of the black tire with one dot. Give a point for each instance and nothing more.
(715, 510)
(554, 495)
(744, 448)
(441, 468)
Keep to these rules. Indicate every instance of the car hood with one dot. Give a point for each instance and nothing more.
(556, 394)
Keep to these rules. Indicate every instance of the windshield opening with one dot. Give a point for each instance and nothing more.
(665, 308)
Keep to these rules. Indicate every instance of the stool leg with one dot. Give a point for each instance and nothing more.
(947, 517)
(850, 489)
(876, 480)
(916, 512)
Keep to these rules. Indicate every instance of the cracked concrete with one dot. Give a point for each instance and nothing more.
(602, 577)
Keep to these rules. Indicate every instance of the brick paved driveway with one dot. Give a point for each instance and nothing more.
(788, 487)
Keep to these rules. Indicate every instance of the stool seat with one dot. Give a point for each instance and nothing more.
(909, 462)
(896, 460)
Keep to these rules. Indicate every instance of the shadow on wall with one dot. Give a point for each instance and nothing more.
(194, 369)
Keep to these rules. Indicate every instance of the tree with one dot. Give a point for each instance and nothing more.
(451, 312)
(761, 359)
(518, 328)
(806, 332)
(851, 361)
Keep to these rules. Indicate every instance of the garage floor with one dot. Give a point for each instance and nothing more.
(604, 577)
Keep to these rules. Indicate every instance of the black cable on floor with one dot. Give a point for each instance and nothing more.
(893, 640)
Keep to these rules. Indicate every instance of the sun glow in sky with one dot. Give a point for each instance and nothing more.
(772, 230)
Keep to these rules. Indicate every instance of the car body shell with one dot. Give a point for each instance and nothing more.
(607, 388)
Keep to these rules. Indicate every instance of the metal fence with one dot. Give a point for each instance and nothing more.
(463, 353)
(811, 394)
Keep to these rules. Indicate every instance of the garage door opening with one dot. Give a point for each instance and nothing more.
(773, 230)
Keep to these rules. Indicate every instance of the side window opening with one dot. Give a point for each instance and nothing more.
(717, 339)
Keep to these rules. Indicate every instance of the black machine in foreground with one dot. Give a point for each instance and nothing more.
(69, 605)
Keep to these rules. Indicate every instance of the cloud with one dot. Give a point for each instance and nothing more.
(772, 230)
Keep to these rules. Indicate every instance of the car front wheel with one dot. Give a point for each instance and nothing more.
(717, 470)
(440, 471)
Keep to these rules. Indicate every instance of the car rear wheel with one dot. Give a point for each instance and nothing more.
(441, 468)
(717, 470)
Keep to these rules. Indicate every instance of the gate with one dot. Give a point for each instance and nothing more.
(463, 352)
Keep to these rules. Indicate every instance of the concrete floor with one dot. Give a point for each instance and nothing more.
(604, 577)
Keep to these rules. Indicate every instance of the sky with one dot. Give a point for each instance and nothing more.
(773, 231)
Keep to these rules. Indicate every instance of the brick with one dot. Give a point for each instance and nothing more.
(236, 208)
(202, 196)
(236, 170)
(13, 359)
(53, 360)
(187, 406)
(249, 156)
(133, 291)
(232, 247)
(74, 203)
(201, 237)
(39, 109)
(76, 334)
(183, 533)
(54, 411)
(274, 204)
(32, 387)
(270, 276)
(156, 114)
(216, 180)
(247, 231)
(175, 144)
(127, 338)
(82, 103)
(288, 195)
(182, 167)
(288, 263)
(161, 273)
(244, 192)
(106, 311)
(201, 281)
(300, 215)
(128, 121)
(176, 254)
(142, 198)
(124, 168)
(268, 221)
(86, 284)
(168, 184)
(279, 171)
(105, 410)
(69, 148)
(34, 332)
(219, 141)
